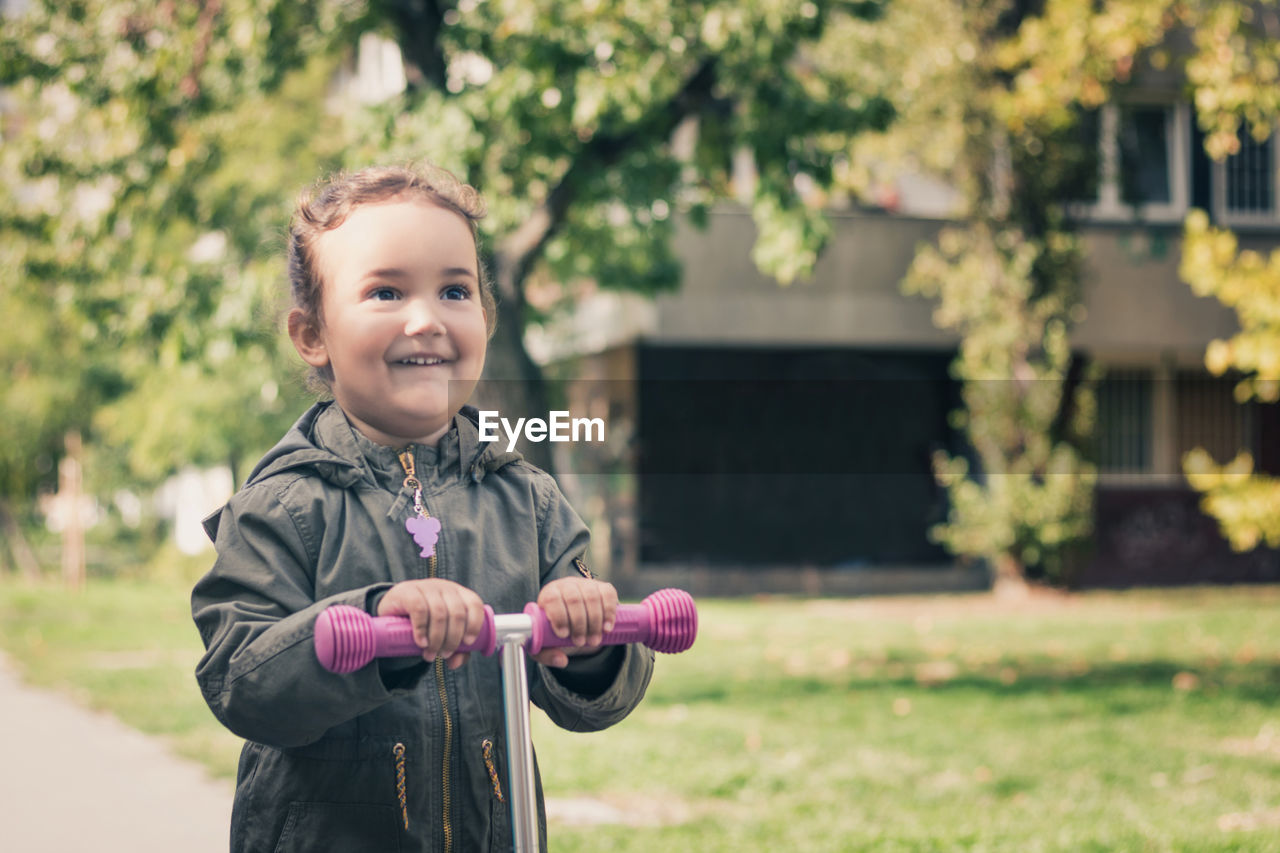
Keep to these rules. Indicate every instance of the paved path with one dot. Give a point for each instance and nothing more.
(72, 779)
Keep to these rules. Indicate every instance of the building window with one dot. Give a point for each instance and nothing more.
(1124, 431)
(1149, 419)
(1142, 162)
(1208, 416)
(1144, 140)
(1247, 183)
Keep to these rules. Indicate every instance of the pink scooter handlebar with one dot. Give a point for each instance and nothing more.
(347, 638)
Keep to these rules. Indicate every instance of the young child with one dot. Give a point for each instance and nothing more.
(392, 312)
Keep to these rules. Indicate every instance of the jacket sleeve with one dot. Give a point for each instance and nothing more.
(256, 613)
(562, 543)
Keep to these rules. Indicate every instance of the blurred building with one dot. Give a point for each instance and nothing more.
(781, 428)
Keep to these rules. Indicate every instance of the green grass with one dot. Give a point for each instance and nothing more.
(1104, 721)
(123, 646)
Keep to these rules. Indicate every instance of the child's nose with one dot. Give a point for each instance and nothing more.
(422, 319)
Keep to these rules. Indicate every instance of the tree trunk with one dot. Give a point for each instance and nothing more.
(513, 382)
(70, 483)
(24, 557)
(1010, 579)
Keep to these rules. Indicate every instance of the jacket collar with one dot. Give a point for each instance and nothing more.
(478, 458)
(324, 441)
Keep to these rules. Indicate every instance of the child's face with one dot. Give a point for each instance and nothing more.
(403, 329)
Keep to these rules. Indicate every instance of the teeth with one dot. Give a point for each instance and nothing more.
(419, 360)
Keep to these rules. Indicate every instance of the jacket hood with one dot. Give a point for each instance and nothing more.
(323, 441)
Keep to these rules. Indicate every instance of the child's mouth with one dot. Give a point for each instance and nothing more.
(421, 361)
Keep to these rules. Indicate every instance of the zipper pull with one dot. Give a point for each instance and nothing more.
(424, 529)
(398, 749)
(487, 748)
(411, 481)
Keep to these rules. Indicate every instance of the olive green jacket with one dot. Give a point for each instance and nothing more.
(401, 755)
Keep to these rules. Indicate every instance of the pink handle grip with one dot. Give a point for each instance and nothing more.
(347, 638)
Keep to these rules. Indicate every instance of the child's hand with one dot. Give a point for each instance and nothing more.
(579, 608)
(444, 615)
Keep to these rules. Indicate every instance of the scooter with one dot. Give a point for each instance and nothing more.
(347, 639)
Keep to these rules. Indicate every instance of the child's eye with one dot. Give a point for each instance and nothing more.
(456, 291)
(384, 293)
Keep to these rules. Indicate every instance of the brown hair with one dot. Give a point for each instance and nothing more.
(327, 205)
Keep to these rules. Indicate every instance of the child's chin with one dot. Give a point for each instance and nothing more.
(424, 423)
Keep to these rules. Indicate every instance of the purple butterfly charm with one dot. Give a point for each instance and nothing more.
(425, 532)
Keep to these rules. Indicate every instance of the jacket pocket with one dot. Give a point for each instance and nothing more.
(309, 827)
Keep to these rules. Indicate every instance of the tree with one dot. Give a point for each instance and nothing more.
(1006, 278)
(1006, 85)
(150, 147)
(1235, 74)
(1031, 494)
(143, 176)
(1246, 504)
(564, 115)
(145, 147)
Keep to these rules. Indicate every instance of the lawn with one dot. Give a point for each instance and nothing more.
(1102, 721)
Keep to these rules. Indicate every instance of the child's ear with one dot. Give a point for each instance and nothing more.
(307, 340)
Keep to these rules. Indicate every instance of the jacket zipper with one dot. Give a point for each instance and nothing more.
(411, 482)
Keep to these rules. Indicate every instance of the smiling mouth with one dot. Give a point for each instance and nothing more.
(421, 361)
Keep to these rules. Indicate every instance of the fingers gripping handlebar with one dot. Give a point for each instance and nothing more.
(347, 638)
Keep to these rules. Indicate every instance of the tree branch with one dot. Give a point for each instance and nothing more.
(190, 85)
(419, 23)
(521, 249)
